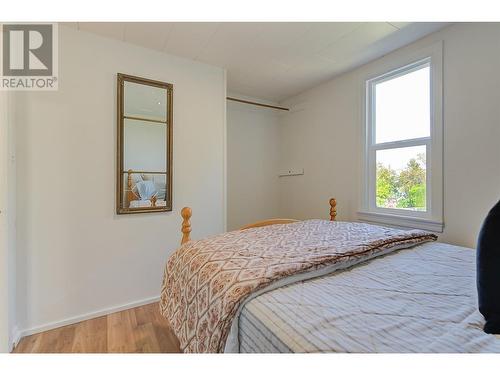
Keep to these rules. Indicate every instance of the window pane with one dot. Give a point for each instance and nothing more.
(401, 178)
(402, 109)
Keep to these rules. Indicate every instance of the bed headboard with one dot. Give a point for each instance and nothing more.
(130, 196)
(186, 214)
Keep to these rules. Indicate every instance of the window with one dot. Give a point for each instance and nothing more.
(403, 145)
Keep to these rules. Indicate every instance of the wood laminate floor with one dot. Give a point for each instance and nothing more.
(138, 330)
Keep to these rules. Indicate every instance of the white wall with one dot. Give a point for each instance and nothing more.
(144, 146)
(323, 134)
(75, 255)
(252, 163)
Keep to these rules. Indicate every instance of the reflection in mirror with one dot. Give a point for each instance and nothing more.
(144, 190)
(145, 145)
(145, 102)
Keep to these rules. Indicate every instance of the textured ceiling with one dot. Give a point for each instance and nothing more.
(273, 60)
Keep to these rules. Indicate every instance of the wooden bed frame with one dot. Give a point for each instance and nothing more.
(130, 195)
(186, 214)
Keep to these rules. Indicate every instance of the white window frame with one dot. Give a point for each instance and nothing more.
(383, 70)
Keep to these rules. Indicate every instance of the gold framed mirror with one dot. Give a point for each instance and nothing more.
(144, 157)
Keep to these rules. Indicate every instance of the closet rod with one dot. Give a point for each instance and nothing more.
(259, 104)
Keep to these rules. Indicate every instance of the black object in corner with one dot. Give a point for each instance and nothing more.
(488, 270)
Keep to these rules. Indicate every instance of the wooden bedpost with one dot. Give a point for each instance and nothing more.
(333, 209)
(186, 224)
(130, 194)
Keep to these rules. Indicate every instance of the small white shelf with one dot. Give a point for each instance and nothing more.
(291, 172)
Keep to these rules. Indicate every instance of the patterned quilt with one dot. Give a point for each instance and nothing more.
(206, 281)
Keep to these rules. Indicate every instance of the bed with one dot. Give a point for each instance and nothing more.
(322, 286)
(145, 189)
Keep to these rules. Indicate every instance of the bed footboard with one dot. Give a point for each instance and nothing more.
(186, 214)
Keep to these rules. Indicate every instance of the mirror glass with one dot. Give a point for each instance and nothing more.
(145, 139)
(143, 101)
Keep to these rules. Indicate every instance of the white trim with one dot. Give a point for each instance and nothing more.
(401, 221)
(400, 144)
(224, 152)
(80, 318)
(15, 337)
(5, 290)
(387, 69)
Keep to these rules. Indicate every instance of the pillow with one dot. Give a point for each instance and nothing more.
(136, 177)
(145, 189)
(488, 270)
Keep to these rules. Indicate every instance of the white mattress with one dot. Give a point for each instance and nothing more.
(416, 300)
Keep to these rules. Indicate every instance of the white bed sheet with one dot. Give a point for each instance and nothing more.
(421, 299)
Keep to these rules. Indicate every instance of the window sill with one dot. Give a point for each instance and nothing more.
(401, 221)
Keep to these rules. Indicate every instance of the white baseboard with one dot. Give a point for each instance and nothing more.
(18, 334)
(15, 336)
